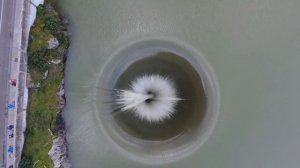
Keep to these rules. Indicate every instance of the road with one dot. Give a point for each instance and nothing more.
(6, 32)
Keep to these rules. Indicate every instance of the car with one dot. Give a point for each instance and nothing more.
(10, 149)
(10, 127)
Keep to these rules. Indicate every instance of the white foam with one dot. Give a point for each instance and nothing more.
(152, 98)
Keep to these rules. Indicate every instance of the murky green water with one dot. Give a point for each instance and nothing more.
(252, 46)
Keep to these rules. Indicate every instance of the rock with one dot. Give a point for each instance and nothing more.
(34, 86)
(53, 43)
(45, 75)
(61, 95)
(59, 151)
(53, 61)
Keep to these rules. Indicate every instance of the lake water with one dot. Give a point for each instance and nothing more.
(252, 46)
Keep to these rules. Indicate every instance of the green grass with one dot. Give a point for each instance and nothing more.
(39, 36)
(43, 108)
(46, 26)
(43, 102)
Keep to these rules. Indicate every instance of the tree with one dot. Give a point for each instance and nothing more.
(37, 60)
(26, 163)
(51, 23)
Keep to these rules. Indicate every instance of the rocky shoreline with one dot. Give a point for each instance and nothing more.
(59, 151)
(45, 136)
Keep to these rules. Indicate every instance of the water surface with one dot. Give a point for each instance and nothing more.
(253, 47)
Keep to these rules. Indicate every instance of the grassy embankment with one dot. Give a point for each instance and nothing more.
(43, 101)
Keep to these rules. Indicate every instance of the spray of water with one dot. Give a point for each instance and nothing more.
(150, 97)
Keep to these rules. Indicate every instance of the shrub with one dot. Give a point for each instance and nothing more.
(26, 163)
(37, 60)
(51, 23)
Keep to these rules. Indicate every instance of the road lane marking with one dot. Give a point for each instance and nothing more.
(2, 2)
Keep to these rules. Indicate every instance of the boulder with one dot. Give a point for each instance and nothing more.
(58, 152)
(55, 61)
(53, 43)
(45, 75)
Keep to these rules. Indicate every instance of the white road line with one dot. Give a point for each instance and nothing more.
(2, 2)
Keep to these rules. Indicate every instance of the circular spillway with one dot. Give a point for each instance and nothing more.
(151, 98)
(193, 116)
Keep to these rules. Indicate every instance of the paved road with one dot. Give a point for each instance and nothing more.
(6, 22)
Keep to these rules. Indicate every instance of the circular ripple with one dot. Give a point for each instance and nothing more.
(194, 117)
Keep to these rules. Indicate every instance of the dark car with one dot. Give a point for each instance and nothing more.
(10, 127)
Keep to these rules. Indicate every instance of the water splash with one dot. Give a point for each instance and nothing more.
(151, 97)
